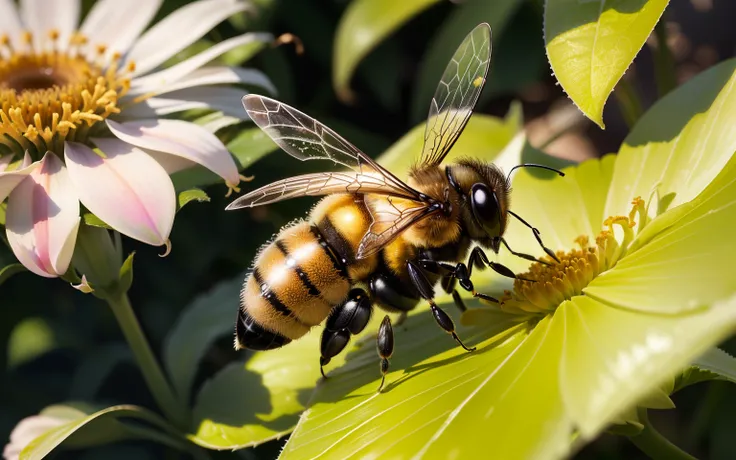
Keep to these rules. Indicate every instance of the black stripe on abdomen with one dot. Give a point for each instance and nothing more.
(290, 262)
(336, 240)
(270, 296)
(338, 261)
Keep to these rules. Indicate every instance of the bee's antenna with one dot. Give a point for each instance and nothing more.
(533, 165)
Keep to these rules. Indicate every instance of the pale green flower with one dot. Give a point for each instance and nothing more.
(645, 288)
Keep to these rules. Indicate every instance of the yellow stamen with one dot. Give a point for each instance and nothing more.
(46, 95)
(553, 283)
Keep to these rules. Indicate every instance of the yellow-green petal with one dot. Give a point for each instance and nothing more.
(590, 44)
(680, 144)
(562, 208)
(686, 265)
(442, 403)
(612, 358)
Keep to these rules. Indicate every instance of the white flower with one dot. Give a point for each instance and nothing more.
(65, 90)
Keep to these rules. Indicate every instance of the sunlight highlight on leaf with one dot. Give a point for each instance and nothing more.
(591, 44)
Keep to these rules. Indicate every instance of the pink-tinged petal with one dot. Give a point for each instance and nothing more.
(170, 163)
(208, 75)
(217, 98)
(43, 16)
(27, 430)
(5, 162)
(178, 71)
(127, 189)
(42, 218)
(83, 286)
(102, 24)
(179, 30)
(10, 179)
(182, 139)
(10, 24)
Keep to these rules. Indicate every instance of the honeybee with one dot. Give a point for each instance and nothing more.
(375, 239)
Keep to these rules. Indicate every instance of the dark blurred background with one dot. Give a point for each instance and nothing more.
(57, 344)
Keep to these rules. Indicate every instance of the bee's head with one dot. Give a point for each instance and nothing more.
(483, 194)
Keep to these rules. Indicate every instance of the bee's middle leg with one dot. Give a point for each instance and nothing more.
(461, 273)
(421, 283)
(348, 318)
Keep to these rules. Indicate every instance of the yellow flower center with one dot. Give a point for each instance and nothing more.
(553, 282)
(49, 96)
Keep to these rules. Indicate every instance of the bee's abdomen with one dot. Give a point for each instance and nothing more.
(342, 221)
(296, 281)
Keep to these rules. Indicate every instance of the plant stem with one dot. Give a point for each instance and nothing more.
(628, 101)
(656, 446)
(664, 63)
(152, 373)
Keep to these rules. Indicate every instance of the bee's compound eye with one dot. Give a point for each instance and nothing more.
(485, 208)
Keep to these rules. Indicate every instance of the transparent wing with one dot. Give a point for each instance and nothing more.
(316, 184)
(305, 138)
(456, 95)
(391, 216)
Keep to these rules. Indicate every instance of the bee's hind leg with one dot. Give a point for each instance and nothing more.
(348, 318)
(425, 289)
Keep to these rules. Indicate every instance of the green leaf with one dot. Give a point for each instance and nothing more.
(187, 196)
(249, 146)
(718, 362)
(364, 24)
(680, 144)
(591, 44)
(79, 429)
(10, 270)
(240, 54)
(30, 338)
(126, 274)
(484, 137)
(251, 403)
(94, 221)
(207, 318)
(460, 22)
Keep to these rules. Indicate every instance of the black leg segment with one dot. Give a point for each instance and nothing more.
(347, 319)
(425, 289)
(538, 237)
(385, 346)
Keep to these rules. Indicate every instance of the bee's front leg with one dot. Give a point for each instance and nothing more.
(424, 287)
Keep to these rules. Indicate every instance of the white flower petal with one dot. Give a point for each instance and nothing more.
(27, 430)
(220, 122)
(4, 162)
(209, 75)
(224, 99)
(179, 30)
(10, 179)
(43, 218)
(43, 16)
(103, 23)
(180, 138)
(127, 189)
(170, 163)
(10, 24)
(178, 71)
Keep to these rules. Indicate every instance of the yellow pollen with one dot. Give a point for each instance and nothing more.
(553, 283)
(47, 97)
